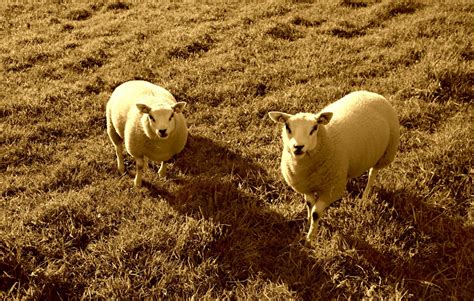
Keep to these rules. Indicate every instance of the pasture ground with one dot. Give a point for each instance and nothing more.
(223, 224)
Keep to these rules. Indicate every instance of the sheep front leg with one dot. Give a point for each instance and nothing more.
(310, 201)
(323, 201)
(316, 212)
(163, 169)
(140, 162)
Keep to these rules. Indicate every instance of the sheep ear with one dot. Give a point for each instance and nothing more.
(143, 108)
(279, 116)
(324, 118)
(179, 107)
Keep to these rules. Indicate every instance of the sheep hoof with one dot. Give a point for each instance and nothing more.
(308, 241)
(163, 170)
(121, 170)
(312, 232)
(137, 183)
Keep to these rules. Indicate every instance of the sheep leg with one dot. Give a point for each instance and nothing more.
(317, 209)
(310, 201)
(324, 200)
(117, 142)
(370, 182)
(316, 213)
(139, 168)
(163, 169)
(119, 153)
(145, 163)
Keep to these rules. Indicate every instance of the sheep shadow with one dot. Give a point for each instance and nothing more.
(221, 185)
(224, 186)
(438, 247)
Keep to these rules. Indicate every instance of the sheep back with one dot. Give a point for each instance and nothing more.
(365, 129)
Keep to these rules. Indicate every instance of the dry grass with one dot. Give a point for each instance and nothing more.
(223, 224)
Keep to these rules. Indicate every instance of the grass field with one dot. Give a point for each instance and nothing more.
(224, 224)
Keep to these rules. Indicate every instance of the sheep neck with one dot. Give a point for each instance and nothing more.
(304, 174)
(306, 164)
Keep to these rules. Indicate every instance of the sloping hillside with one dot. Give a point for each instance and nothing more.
(224, 224)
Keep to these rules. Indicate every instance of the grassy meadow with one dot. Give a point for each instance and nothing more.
(223, 224)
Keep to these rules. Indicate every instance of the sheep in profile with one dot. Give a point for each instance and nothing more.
(359, 132)
(150, 122)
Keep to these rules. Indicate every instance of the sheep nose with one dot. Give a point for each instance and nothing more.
(162, 133)
(298, 148)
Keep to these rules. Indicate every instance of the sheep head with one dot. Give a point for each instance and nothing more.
(300, 131)
(161, 118)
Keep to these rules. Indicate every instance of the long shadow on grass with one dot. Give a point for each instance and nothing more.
(232, 190)
(439, 248)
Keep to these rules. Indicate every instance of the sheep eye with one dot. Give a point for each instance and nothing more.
(288, 128)
(313, 129)
(172, 115)
(151, 118)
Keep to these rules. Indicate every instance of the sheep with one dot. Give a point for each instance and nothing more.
(150, 122)
(359, 132)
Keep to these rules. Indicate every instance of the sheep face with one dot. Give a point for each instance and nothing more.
(161, 119)
(300, 131)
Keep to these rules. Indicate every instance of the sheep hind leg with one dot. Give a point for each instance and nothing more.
(370, 182)
(139, 169)
(117, 141)
(119, 153)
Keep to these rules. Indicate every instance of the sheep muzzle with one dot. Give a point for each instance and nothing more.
(298, 150)
(162, 134)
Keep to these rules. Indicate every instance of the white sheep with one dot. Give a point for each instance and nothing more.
(359, 132)
(150, 122)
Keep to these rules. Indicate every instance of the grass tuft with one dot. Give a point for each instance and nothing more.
(301, 21)
(79, 15)
(394, 8)
(284, 32)
(355, 3)
(92, 61)
(347, 31)
(452, 83)
(197, 47)
(118, 5)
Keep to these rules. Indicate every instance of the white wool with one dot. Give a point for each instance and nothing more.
(149, 121)
(322, 151)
